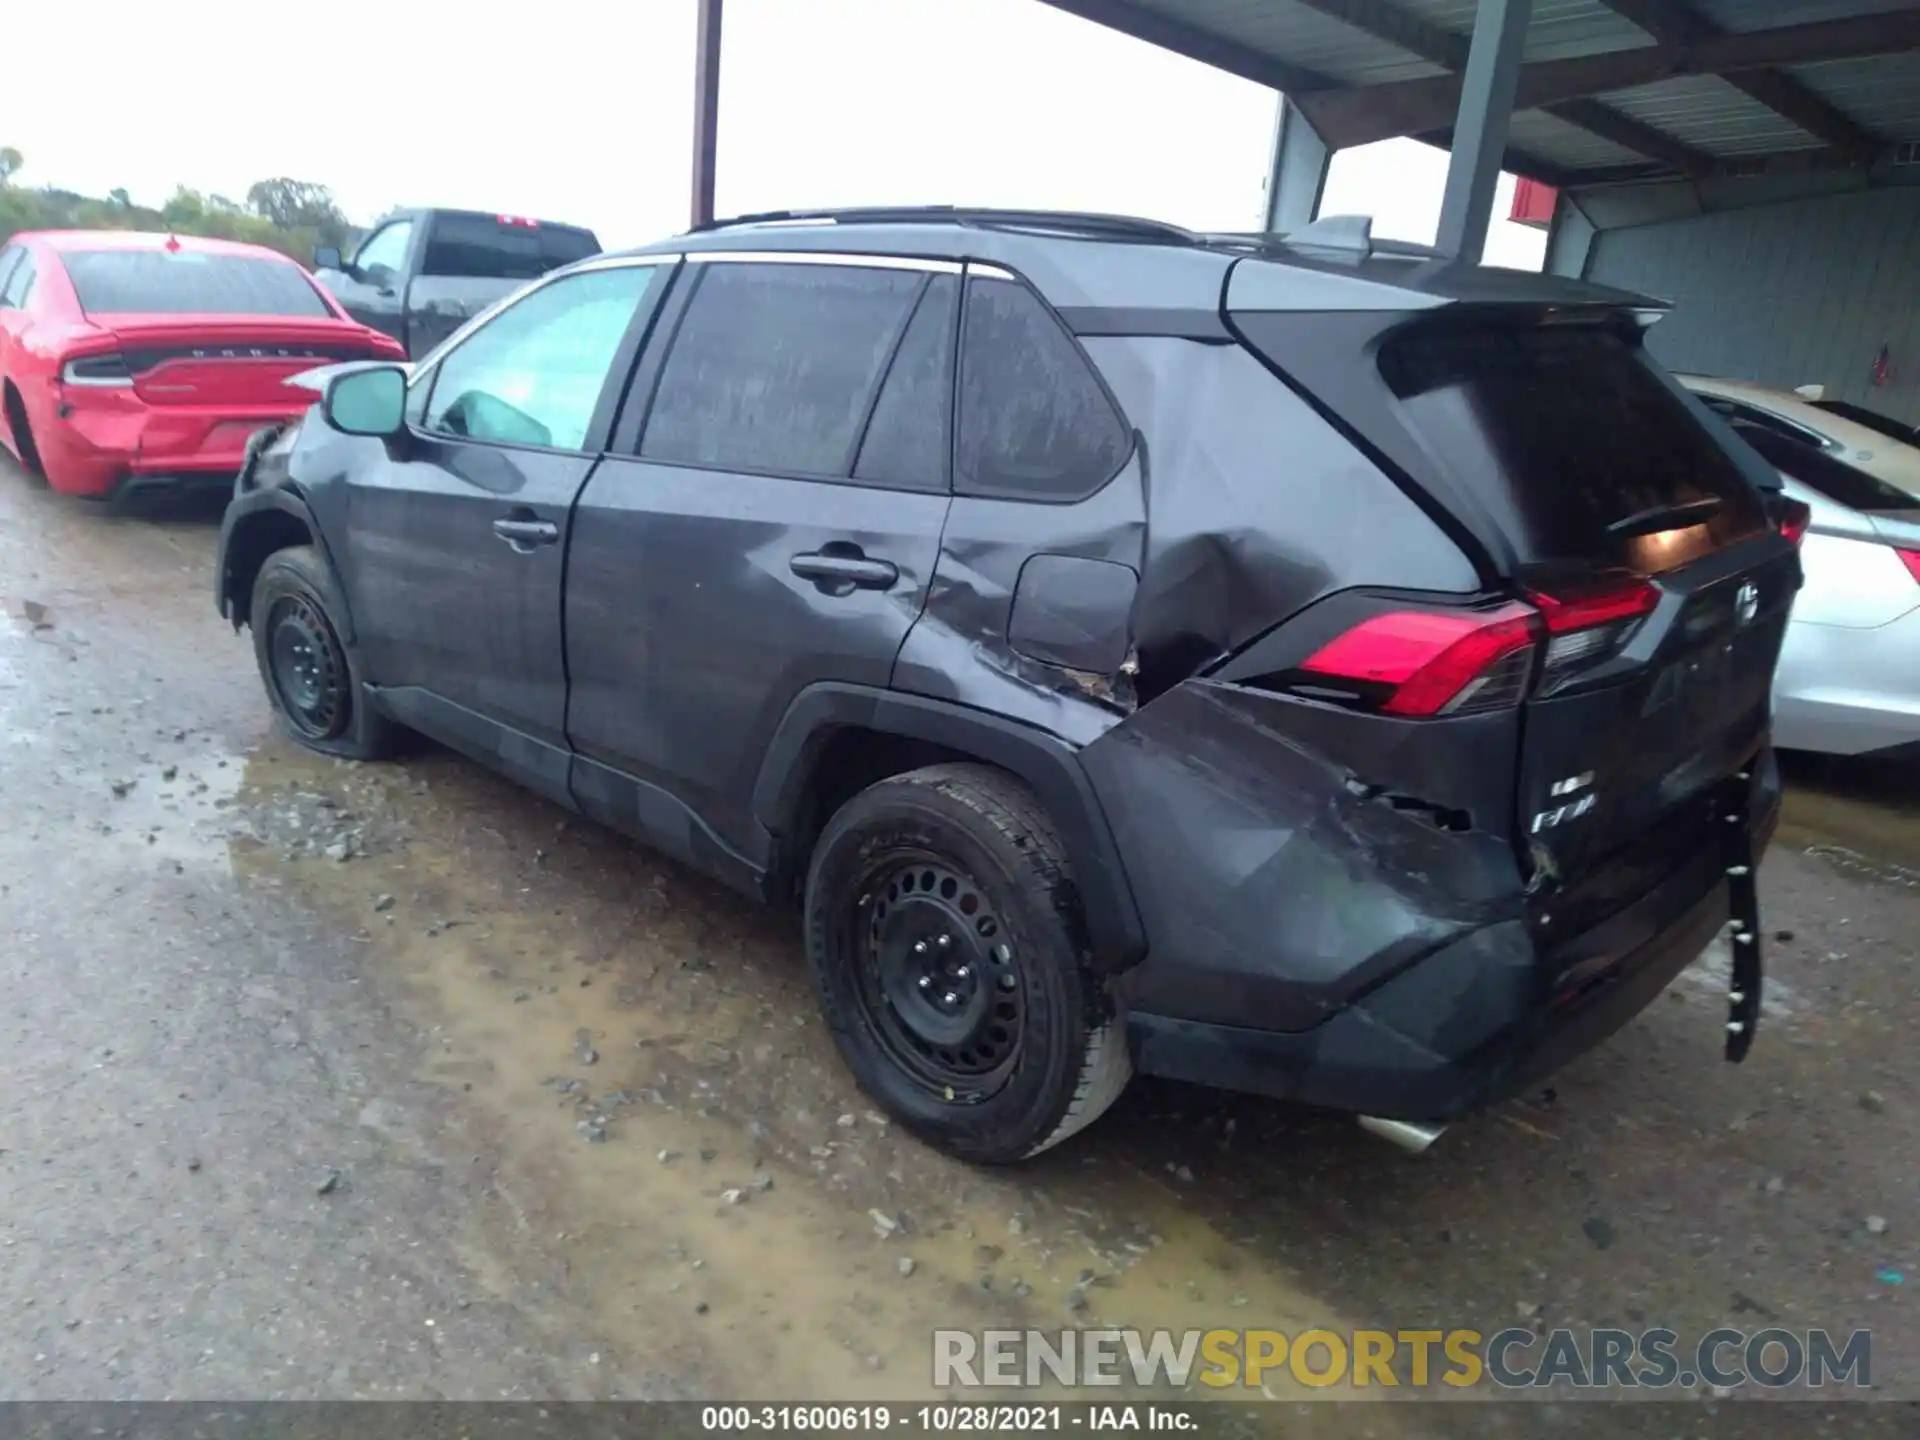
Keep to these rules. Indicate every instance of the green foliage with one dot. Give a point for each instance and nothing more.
(290, 216)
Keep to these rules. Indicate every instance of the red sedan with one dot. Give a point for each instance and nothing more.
(132, 361)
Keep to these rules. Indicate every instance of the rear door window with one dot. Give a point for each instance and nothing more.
(774, 366)
(190, 282)
(485, 247)
(1563, 433)
(1034, 422)
(9, 257)
(906, 442)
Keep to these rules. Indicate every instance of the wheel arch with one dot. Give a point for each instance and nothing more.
(806, 767)
(258, 524)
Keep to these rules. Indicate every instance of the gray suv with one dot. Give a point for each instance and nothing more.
(1301, 666)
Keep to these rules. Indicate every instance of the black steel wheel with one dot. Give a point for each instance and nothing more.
(946, 942)
(309, 673)
(940, 982)
(307, 668)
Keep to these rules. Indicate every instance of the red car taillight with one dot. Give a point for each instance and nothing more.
(1911, 559)
(1795, 517)
(1435, 662)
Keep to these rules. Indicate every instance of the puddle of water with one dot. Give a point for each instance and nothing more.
(727, 1222)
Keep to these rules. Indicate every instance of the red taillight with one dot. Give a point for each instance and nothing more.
(522, 221)
(1582, 611)
(1795, 517)
(1911, 559)
(1435, 662)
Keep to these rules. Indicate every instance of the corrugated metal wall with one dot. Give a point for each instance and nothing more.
(1788, 295)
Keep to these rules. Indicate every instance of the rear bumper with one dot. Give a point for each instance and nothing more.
(102, 447)
(1381, 1056)
(1469, 1025)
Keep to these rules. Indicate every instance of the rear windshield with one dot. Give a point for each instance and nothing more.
(1563, 433)
(484, 248)
(1872, 419)
(1819, 471)
(187, 282)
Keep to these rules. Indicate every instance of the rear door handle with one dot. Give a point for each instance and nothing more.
(523, 532)
(841, 571)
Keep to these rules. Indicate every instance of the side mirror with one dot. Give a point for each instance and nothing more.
(326, 257)
(368, 402)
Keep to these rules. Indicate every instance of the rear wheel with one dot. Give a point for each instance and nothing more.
(946, 942)
(23, 446)
(309, 674)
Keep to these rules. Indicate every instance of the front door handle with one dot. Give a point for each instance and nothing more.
(523, 532)
(841, 569)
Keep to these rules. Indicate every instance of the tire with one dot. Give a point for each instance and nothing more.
(16, 415)
(1016, 1044)
(310, 676)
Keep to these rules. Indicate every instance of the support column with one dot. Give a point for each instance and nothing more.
(1480, 130)
(706, 109)
(1569, 240)
(1297, 173)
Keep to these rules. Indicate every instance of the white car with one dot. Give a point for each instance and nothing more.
(1848, 682)
(1881, 446)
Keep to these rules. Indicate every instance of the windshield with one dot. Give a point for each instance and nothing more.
(187, 282)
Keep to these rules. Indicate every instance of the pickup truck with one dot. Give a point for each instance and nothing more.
(422, 274)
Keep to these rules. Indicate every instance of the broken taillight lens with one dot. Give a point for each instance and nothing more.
(1429, 662)
(1589, 626)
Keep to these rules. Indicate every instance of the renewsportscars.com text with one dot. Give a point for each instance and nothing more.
(1511, 1359)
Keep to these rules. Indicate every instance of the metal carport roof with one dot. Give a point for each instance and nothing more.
(1607, 89)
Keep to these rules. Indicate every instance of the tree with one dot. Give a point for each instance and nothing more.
(10, 162)
(121, 200)
(298, 205)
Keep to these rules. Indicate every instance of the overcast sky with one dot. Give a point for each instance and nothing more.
(581, 110)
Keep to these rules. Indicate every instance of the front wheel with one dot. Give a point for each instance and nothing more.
(947, 946)
(310, 677)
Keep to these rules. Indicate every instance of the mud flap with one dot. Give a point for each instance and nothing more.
(1743, 904)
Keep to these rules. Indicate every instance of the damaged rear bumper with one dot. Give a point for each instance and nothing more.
(1363, 948)
(1390, 1054)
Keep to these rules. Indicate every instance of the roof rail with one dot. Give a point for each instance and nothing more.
(1119, 227)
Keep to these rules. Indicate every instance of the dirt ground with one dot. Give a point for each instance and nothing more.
(324, 1080)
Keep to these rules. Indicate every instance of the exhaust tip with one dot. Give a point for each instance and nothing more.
(1407, 1134)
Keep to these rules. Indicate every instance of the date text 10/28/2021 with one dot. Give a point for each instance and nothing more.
(948, 1419)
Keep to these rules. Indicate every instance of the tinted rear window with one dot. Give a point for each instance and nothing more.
(1563, 433)
(187, 282)
(1815, 469)
(482, 247)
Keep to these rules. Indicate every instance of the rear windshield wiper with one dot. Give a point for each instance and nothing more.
(1667, 517)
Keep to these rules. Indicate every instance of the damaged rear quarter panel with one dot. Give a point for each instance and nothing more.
(1285, 856)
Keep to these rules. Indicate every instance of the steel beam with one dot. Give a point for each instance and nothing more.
(1675, 23)
(1480, 131)
(1411, 107)
(1386, 21)
(1297, 173)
